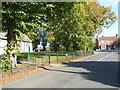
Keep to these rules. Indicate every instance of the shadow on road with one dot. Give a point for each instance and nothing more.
(102, 72)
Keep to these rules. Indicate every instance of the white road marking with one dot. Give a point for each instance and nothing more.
(105, 57)
(100, 59)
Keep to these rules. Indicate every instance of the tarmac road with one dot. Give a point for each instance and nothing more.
(99, 71)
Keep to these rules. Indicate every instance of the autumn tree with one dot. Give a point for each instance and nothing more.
(75, 24)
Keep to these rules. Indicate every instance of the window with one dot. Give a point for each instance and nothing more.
(103, 41)
(103, 46)
(108, 41)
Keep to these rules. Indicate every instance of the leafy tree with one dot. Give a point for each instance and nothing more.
(19, 18)
(55, 46)
(77, 23)
(36, 39)
(73, 24)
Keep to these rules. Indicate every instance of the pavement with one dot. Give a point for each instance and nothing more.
(99, 71)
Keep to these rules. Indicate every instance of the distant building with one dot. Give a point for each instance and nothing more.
(106, 43)
(25, 41)
(40, 46)
(3, 43)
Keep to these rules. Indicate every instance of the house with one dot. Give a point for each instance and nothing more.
(40, 46)
(106, 43)
(25, 42)
(3, 43)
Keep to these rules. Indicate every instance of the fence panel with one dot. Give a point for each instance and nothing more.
(50, 58)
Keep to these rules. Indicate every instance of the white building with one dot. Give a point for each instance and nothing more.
(40, 46)
(23, 45)
(3, 43)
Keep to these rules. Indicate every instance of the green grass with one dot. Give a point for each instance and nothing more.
(36, 57)
(24, 56)
(53, 59)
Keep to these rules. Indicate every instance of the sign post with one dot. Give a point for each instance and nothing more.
(28, 55)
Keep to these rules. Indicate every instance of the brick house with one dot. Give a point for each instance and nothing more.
(106, 43)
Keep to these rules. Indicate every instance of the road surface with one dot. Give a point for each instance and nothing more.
(99, 71)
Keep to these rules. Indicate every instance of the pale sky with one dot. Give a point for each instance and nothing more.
(113, 30)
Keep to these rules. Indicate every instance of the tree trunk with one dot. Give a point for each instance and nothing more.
(74, 47)
(44, 49)
(11, 47)
(67, 48)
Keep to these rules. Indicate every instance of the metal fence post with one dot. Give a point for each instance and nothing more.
(11, 67)
(80, 54)
(72, 55)
(49, 59)
(57, 57)
(42, 61)
(85, 52)
(35, 62)
(92, 52)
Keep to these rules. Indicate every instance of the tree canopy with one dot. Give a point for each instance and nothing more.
(75, 24)
(22, 18)
(70, 25)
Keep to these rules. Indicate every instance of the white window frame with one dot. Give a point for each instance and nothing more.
(103, 41)
(108, 42)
